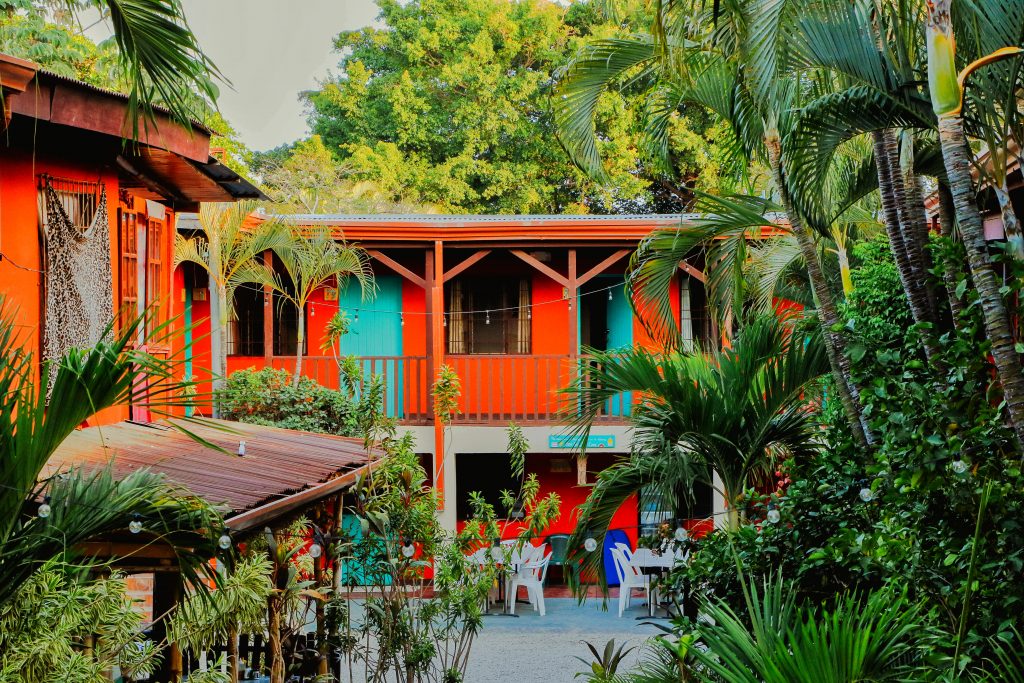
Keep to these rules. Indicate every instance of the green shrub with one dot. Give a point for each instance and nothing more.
(267, 397)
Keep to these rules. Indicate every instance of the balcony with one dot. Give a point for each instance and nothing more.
(494, 389)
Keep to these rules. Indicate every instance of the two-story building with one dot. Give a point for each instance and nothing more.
(511, 303)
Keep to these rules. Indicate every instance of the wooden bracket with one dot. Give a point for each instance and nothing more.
(601, 267)
(542, 267)
(693, 272)
(397, 267)
(475, 258)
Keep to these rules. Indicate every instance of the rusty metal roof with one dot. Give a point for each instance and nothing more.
(278, 463)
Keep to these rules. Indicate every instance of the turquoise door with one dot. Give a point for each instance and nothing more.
(375, 336)
(620, 334)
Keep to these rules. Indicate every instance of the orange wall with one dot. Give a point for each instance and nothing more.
(19, 240)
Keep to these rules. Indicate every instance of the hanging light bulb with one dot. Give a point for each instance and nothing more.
(135, 526)
(680, 534)
(444, 319)
(590, 545)
(488, 319)
(224, 542)
(315, 551)
(401, 317)
(44, 510)
(408, 549)
(958, 466)
(609, 295)
(529, 312)
(866, 494)
(497, 554)
(355, 319)
(773, 515)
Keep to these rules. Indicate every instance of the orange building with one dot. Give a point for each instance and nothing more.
(87, 218)
(511, 303)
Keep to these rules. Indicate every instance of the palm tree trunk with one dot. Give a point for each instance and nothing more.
(828, 317)
(947, 227)
(300, 338)
(844, 268)
(1011, 226)
(997, 319)
(274, 605)
(232, 651)
(216, 344)
(893, 197)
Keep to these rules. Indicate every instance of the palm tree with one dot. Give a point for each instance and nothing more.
(229, 251)
(83, 505)
(707, 70)
(946, 87)
(733, 412)
(312, 261)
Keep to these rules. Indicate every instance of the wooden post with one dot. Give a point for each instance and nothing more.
(437, 349)
(428, 296)
(166, 595)
(574, 333)
(268, 315)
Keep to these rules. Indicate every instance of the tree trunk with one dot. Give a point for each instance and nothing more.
(233, 669)
(300, 338)
(844, 268)
(910, 277)
(947, 226)
(1011, 226)
(828, 317)
(274, 605)
(997, 319)
(216, 334)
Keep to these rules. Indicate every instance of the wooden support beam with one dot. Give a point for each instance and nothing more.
(601, 267)
(475, 258)
(397, 267)
(437, 334)
(572, 286)
(693, 272)
(542, 267)
(428, 296)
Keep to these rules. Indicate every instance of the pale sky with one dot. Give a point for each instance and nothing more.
(271, 50)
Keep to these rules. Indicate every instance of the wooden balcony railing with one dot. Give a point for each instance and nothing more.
(494, 389)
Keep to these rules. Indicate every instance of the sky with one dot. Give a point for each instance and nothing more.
(270, 51)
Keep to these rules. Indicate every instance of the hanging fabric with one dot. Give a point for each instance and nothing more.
(457, 326)
(523, 336)
(78, 281)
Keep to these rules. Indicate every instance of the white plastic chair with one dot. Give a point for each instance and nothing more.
(531, 577)
(630, 578)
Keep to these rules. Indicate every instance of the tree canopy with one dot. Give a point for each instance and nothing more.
(448, 104)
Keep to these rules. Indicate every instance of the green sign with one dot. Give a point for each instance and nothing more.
(575, 441)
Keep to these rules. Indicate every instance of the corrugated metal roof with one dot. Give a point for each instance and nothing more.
(277, 462)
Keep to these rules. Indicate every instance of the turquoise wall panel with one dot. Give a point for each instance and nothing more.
(620, 334)
(377, 332)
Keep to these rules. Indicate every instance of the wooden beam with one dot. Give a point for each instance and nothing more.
(600, 267)
(693, 272)
(263, 514)
(437, 333)
(397, 267)
(542, 267)
(572, 287)
(428, 296)
(466, 264)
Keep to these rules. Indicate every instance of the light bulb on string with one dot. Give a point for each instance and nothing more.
(224, 542)
(958, 465)
(609, 295)
(44, 510)
(866, 494)
(444, 319)
(773, 515)
(529, 312)
(355, 319)
(315, 550)
(135, 526)
(488, 319)
(590, 545)
(408, 549)
(681, 534)
(401, 318)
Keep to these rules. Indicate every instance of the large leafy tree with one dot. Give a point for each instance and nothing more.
(448, 104)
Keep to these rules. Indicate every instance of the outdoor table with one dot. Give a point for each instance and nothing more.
(656, 566)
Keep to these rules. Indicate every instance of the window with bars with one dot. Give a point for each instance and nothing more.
(489, 317)
(696, 325)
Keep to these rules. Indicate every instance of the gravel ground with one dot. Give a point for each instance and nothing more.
(538, 649)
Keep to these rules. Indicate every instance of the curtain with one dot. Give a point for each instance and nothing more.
(686, 315)
(523, 336)
(456, 320)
